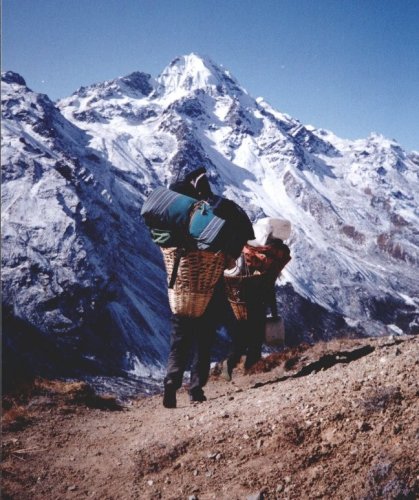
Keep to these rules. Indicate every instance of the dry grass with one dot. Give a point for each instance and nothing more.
(288, 356)
(22, 406)
(16, 418)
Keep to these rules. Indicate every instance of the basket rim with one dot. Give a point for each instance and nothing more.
(191, 250)
(242, 277)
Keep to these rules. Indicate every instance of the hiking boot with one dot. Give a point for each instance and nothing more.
(197, 395)
(169, 396)
(226, 370)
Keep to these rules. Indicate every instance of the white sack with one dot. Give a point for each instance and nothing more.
(267, 229)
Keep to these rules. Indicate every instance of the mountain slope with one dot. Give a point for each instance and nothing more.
(79, 269)
(353, 204)
(75, 256)
(337, 420)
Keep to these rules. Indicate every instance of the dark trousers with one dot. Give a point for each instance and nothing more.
(248, 336)
(191, 342)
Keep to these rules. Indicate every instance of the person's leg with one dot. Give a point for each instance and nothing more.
(203, 339)
(223, 310)
(238, 347)
(255, 331)
(180, 343)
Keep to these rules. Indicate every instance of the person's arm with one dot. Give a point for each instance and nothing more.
(230, 262)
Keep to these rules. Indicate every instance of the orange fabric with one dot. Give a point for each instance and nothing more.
(270, 259)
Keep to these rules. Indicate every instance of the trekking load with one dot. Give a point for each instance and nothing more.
(253, 278)
(166, 213)
(269, 229)
(195, 236)
(175, 219)
(192, 276)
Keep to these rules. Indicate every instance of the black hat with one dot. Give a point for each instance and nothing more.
(194, 174)
(195, 184)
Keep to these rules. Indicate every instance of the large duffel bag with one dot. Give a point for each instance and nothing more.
(166, 209)
(206, 228)
(179, 220)
(270, 258)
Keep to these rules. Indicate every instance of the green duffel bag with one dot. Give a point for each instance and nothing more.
(205, 228)
(166, 209)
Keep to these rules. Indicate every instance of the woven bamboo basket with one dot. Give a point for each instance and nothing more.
(242, 290)
(196, 278)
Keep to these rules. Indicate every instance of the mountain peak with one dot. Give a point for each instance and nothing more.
(12, 77)
(193, 72)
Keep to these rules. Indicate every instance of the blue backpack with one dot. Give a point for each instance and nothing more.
(179, 220)
(166, 209)
(205, 227)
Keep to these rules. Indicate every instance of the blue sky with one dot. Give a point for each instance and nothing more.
(350, 66)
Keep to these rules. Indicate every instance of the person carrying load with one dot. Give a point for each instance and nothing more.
(200, 234)
(251, 289)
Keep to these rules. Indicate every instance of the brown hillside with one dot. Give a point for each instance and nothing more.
(337, 420)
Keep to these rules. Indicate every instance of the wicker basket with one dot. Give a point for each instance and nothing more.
(196, 278)
(241, 290)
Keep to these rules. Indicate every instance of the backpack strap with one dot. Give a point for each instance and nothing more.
(180, 252)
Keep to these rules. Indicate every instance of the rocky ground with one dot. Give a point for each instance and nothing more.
(335, 420)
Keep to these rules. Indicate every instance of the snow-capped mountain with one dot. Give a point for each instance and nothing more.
(75, 176)
(80, 275)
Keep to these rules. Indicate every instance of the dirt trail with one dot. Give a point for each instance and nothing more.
(337, 420)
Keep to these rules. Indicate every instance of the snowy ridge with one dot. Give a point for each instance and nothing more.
(192, 73)
(353, 204)
(73, 247)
